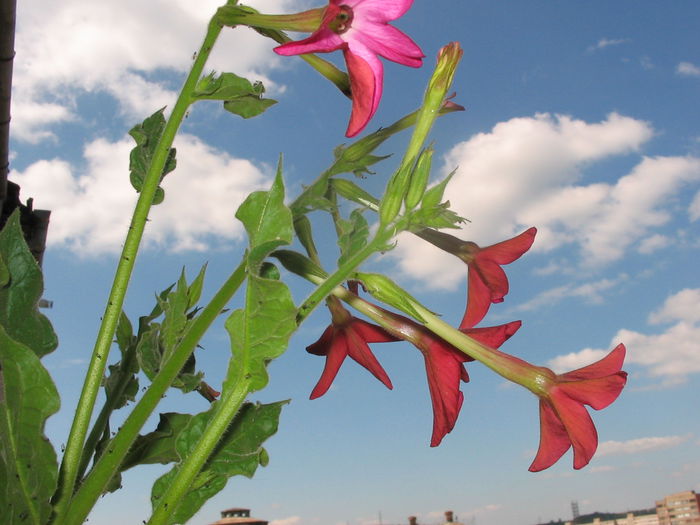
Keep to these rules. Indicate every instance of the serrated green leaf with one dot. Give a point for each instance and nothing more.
(352, 236)
(28, 467)
(238, 453)
(146, 135)
(254, 341)
(194, 291)
(267, 220)
(20, 295)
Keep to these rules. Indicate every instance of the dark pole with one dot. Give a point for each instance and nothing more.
(8, 15)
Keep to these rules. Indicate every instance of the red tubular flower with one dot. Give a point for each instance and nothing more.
(487, 282)
(564, 421)
(444, 365)
(347, 336)
(360, 28)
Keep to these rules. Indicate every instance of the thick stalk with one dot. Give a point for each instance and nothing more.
(116, 450)
(98, 362)
(226, 409)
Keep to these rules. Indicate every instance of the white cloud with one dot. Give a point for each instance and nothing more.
(671, 355)
(576, 360)
(292, 520)
(694, 209)
(635, 446)
(607, 42)
(91, 208)
(653, 243)
(682, 306)
(527, 172)
(591, 292)
(688, 69)
(113, 47)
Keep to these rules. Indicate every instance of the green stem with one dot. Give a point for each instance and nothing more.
(102, 420)
(380, 240)
(108, 464)
(226, 409)
(98, 362)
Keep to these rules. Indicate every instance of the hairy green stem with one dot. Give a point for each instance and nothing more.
(226, 409)
(115, 452)
(98, 362)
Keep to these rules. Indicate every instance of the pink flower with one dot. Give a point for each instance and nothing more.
(444, 365)
(564, 421)
(360, 28)
(487, 280)
(347, 336)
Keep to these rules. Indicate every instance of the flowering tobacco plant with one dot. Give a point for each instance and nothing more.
(226, 438)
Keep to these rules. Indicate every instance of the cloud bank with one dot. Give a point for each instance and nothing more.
(531, 171)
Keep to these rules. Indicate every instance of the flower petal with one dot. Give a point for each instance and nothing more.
(334, 358)
(493, 336)
(597, 393)
(360, 352)
(578, 424)
(610, 364)
(366, 75)
(322, 41)
(379, 10)
(508, 251)
(386, 41)
(478, 300)
(554, 440)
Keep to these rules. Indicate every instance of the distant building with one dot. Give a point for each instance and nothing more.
(449, 519)
(238, 516)
(645, 517)
(682, 508)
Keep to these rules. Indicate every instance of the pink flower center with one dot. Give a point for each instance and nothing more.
(342, 20)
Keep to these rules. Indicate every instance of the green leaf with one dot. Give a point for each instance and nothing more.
(239, 453)
(260, 332)
(388, 292)
(146, 135)
(28, 467)
(20, 294)
(248, 106)
(352, 235)
(158, 446)
(267, 220)
(157, 340)
(241, 96)
(433, 213)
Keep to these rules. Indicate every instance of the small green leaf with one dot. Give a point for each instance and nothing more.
(28, 467)
(248, 106)
(299, 264)
(238, 454)
(20, 295)
(158, 446)
(351, 191)
(146, 135)
(267, 220)
(241, 96)
(352, 236)
(388, 292)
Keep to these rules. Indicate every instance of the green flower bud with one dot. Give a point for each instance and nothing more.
(419, 179)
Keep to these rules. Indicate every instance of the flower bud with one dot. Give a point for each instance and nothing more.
(419, 179)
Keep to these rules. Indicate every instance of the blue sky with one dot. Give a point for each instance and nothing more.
(582, 120)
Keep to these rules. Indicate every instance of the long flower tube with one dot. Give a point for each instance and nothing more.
(564, 420)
